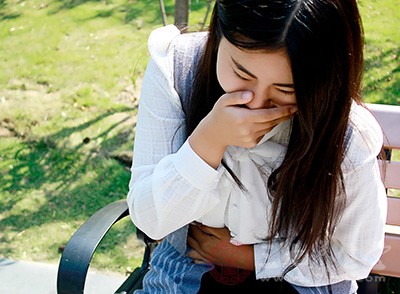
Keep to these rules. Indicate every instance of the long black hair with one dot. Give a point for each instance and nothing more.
(324, 42)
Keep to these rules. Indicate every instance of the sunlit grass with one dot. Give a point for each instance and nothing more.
(382, 35)
(68, 102)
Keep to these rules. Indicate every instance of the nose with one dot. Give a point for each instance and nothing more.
(261, 99)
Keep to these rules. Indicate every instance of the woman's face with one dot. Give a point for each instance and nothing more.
(267, 75)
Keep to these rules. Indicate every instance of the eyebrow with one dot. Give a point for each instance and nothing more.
(245, 70)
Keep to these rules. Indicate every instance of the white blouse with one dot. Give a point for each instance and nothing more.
(171, 186)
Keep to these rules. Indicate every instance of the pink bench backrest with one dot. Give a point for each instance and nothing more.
(388, 117)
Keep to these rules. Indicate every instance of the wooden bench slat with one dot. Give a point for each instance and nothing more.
(392, 229)
(388, 117)
(389, 264)
(393, 214)
(392, 177)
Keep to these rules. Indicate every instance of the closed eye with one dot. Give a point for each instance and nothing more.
(285, 91)
(240, 76)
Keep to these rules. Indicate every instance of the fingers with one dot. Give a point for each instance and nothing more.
(206, 229)
(260, 129)
(220, 233)
(196, 255)
(263, 115)
(233, 123)
(255, 115)
(235, 98)
(269, 125)
(201, 237)
(263, 127)
(197, 238)
(244, 97)
(203, 243)
(197, 233)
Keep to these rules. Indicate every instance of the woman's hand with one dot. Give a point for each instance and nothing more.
(212, 245)
(230, 122)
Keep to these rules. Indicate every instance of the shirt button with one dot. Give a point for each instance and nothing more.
(235, 206)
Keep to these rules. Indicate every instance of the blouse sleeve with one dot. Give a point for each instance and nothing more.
(170, 184)
(358, 240)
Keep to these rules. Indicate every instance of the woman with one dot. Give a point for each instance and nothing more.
(254, 134)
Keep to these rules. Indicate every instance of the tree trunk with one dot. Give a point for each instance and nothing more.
(209, 3)
(182, 14)
(163, 14)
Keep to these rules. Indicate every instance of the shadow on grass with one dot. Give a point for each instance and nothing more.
(75, 182)
(70, 4)
(384, 59)
(130, 10)
(133, 12)
(3, 13)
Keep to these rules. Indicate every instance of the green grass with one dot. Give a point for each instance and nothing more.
(68, 101)
(69, 87)
(382, 55)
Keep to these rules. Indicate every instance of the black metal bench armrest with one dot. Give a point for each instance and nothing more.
(78, 252)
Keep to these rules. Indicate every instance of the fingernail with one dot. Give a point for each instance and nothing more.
(246, 95)
(235, 242)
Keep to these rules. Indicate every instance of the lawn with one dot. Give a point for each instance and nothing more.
(69, 89)
(382, 55)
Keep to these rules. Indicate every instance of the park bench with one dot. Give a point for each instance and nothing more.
(388, 117)
(78, 252)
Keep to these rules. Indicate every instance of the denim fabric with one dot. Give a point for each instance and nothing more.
(173, 272)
